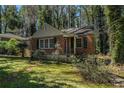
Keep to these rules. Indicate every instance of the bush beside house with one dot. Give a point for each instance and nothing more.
(13, 47)
(9, 47)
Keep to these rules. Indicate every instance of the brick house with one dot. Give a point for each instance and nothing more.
(67, 41)
(54, 41)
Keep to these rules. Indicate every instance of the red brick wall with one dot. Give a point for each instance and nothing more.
(89, 50)
(33, 45)
(59, 39)
(90, 46)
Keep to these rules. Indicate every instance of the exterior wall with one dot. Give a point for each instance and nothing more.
(90, 46)
(33, 43)
(61, 50)
(59, 40)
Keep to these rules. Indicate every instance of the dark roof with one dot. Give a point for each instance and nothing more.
(47, 31)
(9, 35)
(81, 30)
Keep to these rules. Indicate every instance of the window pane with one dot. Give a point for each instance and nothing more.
(52, 44)
(85, 42)
(78, 42)
(46, 43)
(41, 43)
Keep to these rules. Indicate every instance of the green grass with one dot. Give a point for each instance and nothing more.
(18, 72)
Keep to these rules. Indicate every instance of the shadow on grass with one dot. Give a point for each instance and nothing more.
(15, 57)
(22, 79)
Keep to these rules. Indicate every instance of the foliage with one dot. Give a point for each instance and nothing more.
(11, 46)
(9, 18)
(74, 59)
(3, 44)
(95, 71)
(38, 54)
(101, 32)
(0, 20)
(3, 47)
(22, 46)
(117, 52)
(116, 24)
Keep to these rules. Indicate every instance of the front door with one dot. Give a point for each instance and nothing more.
(69, 45)
(72, 45)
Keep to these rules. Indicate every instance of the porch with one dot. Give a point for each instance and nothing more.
(79, 44)
(78, 41)
(71, 45)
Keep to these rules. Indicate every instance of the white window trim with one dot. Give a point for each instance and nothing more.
(44, 43)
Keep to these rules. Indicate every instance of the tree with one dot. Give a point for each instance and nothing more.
(28, 15)
(116, 32)
(40, 17)
(9, 18)
(11, 46)
(101, 30)
(0, 20)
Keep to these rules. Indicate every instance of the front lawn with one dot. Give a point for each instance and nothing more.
(18, 72)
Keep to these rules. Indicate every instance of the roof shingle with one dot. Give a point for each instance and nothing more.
(47, 31)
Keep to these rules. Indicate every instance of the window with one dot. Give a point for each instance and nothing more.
(78, 42)
(46, 43)
(85, 42)
(41, 43)
(51, 42)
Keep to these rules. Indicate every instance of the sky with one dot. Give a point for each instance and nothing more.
(18, 7)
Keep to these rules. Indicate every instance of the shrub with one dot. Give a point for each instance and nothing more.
(38, 54)
(2, 46)
(74, 59)
(95, 71)
(22, 46)
(11, 46)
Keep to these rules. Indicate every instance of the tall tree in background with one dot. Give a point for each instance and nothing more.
(31, 13)
(28, 14)
(116, 28)
(40, 17)
(10, 18)
(0, 20)
(102, 45)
